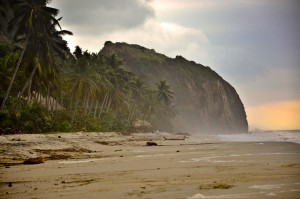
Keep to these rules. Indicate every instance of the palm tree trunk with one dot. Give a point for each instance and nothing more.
(62, 101)
(52, 104)
(29, 90)
(28, 80)
(96, 107)
(86, 103)
(103, 105)
(130, 110)
(109, 103)
(15, 73)
(71, 104)
(131, 114)
(47, 98)
(74, 113)
(40, 95)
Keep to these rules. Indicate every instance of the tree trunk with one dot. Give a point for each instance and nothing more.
(40, 95)
(131, 114)
(28, 80)
(74, 113)
(95, 112)
(87, 105)
(109, 103)
(71, 103)
(48, 98)
(103, 105)
(29, 91)
(15, 73)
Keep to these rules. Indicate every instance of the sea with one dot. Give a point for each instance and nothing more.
(264, 136)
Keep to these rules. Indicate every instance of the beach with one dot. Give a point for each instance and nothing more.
(112, 165)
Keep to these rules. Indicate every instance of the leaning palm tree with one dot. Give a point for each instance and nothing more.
(47, 53)
(32, 17)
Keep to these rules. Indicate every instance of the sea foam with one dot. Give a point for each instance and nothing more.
(263, 136)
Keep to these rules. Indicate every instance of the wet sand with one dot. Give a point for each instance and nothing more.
(80, 165)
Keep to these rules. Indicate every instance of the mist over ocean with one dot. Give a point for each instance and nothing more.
(264, 136)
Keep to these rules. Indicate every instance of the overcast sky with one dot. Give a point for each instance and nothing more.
(252, 44)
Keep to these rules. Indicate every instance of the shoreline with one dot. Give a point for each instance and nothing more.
(100, 165)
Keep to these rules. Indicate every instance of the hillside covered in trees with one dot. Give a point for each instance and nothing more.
(205, 102)
(45, 87)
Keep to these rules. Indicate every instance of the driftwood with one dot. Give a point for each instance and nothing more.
(175, 137)
(151, 144)
(37, 160)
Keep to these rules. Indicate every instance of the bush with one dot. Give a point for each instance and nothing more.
(25, 117)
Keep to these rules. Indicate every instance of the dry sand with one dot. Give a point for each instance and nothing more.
(109, 165)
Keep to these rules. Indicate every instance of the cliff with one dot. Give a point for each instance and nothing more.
(204, 101)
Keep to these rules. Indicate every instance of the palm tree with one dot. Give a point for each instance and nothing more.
(48, 51)
(7, 60)
(163, 92)
(33, 17)
(84, 78)
(116, 77)
(166, 111)
(138, 94)
(150, 105)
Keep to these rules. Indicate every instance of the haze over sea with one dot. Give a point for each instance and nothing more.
(264, 136)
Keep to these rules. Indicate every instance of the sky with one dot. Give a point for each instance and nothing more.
(253, 45)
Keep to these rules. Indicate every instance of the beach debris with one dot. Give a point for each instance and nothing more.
(175, 137)
(37, 160)
(10, 184)
(58, 157)
(102, 142)
(17, 139)
(118, 150)
(151, 144)
(216, 186)
(109, 143)
(177, 151)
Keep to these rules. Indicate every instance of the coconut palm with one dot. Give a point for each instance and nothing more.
(138, 94)
(33, 18)
(47, 53)
(117, 77)
(164, 94)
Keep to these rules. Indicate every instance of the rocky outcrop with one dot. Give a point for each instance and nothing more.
(205, 102)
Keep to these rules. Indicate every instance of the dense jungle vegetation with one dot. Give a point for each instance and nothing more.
(46, 88)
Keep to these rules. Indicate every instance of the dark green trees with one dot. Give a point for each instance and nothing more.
(43, 84)
(32, 21)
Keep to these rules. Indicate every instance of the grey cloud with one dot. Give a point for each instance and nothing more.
(93, 17)
(267, 34)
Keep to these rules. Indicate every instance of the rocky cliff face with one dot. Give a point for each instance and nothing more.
(205, 102)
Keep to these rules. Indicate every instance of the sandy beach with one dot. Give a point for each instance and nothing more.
(111, 165)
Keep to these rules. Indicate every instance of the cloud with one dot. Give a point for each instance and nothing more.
(165, 37)
(94, 17)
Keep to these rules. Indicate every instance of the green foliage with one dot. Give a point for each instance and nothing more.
(27, 117)
(50, 90)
